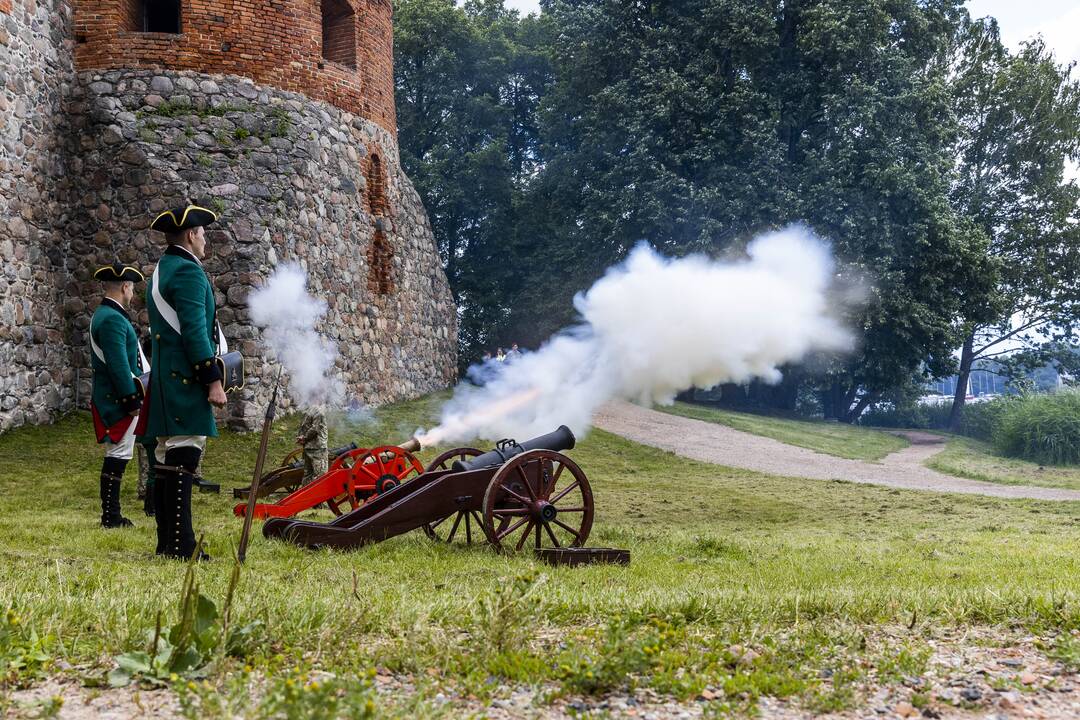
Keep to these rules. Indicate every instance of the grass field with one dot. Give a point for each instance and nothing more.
(741, 586)
(846, 441)
(969, 458)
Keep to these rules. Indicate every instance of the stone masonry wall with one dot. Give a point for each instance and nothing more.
(288, 177)
(274, 42)
(35, 73)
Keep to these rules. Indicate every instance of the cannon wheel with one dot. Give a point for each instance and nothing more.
(384, 468)
(464, 521)
(539, 498)
(276, 480)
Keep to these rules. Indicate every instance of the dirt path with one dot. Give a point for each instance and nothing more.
(721, 445)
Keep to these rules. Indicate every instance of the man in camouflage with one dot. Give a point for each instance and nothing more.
(312, 436)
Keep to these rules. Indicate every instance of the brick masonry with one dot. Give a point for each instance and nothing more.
(274, 42)
(88, 158)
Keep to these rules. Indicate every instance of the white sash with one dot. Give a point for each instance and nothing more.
(168, 314)
(143, 362)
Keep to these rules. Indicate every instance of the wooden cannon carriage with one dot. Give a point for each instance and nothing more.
(288, 477)
(516, 496)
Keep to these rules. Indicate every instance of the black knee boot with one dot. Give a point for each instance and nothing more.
(178, 476)
(149, 499)
(162, 514)
(112, 470)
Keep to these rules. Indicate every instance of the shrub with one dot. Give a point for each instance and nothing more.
(980, 420)
(907, 415)
(1041, 428)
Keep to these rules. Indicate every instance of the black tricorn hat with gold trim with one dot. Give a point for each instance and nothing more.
(183, 218)
(118, 272)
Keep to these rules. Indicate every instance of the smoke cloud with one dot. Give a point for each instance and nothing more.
(652, 327)
(288, 315)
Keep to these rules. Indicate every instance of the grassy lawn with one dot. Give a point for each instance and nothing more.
(846, 441)
(969, 458)
(741, 586)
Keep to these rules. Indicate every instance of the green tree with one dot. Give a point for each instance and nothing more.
(1019, 117)
(697, 124)
(468, 81)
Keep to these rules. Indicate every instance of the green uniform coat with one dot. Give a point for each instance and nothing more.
(182, 363)
(114, 393)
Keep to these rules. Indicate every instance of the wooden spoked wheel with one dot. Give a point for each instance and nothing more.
(464, 525)
(540, 498)
(346, 502)
(292, 457)
(443, 462)
(375, 471)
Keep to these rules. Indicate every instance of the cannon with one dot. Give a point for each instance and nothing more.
(515, 496)
(354, 477)
(289, 475)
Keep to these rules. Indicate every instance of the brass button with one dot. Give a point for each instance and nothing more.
(176, 419)
(184, 381)
(158, 336)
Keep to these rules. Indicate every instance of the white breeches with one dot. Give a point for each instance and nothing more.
(124, 449)
(165, 443)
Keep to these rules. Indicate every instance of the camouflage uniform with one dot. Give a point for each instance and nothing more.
(312, 435)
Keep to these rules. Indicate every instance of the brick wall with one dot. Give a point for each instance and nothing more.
(339, 33)
(274, 42)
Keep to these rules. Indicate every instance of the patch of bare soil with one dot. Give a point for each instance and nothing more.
(85, 703)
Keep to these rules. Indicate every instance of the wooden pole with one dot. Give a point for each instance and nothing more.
(241, 552)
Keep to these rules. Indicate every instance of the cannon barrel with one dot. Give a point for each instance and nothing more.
(411, 445)
(332, 455)
(560, 439)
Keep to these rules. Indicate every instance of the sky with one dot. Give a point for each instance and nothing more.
(1057, 20)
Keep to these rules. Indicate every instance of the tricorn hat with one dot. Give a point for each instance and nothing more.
(118, 272)
(177, 219)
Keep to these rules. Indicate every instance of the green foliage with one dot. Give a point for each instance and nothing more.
(1019, 122)
(1066, 650)
(503, 614)
(290, 694)
(199, 636)
(610, 658)
(1041, 428)
(469, 79)
(696, 125)
(23, 653)
(281, 122)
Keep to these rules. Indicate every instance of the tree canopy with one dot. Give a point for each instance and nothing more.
(546, 147)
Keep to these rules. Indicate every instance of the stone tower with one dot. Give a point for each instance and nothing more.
(277, 114)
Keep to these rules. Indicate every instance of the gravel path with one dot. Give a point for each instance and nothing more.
(721, 445)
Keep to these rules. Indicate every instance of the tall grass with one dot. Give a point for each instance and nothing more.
(1040, 428)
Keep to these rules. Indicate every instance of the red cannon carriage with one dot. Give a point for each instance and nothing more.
(288, 477)
(353, 478)
(515, 496)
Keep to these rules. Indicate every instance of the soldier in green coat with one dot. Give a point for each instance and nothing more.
(185, 380)
(116, 360)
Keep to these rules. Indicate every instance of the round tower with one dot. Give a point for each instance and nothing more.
(278, 115)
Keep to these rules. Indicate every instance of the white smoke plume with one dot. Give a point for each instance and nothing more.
(288, 315)
(652, 327)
